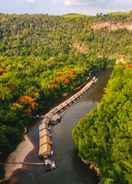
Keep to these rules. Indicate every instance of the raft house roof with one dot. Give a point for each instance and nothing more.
(45, 140)
(45, 150)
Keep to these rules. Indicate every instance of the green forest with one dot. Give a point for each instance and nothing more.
(104, 136)
(43, 57)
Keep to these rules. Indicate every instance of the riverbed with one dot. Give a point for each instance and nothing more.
(70, 170)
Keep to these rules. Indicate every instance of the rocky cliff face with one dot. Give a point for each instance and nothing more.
(111, 25)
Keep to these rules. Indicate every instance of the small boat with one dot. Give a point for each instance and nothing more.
(49, 164)
(53, 166)
(52, 152)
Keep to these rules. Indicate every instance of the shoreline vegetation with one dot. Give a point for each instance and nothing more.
(103, 138)
(25, 141)
(21, 151)
(26, 104)
(44, 57)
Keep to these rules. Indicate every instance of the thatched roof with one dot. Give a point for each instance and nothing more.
(45, 140)
(43, 126)
(49, 115)
(45, 150)
(43, 132)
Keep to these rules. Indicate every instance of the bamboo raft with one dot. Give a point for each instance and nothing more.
(45, 141)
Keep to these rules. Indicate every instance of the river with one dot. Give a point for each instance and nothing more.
(70, 170)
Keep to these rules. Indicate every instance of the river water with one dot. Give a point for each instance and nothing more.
(70, 170)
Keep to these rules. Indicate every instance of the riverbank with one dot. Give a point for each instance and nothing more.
(103, 137)
(28, 143)
(67, 161)
(45, 141)
(37, 118)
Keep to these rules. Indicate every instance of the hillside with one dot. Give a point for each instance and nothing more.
(103, 138)
(46, 36)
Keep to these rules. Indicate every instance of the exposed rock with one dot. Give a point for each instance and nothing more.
(111, 25)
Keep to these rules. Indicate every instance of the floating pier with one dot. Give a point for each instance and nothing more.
(45, 141)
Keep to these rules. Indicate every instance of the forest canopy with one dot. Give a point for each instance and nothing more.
(104, 136)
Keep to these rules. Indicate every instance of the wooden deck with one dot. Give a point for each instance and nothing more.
(45, 141)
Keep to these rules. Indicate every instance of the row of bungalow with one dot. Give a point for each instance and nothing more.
(45, 142)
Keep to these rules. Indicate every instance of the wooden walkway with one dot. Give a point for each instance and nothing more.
(23, 163)
(45, 142)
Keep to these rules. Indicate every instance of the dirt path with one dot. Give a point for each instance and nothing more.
(23, 149)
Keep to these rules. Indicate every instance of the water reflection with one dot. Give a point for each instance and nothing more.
(70, 170)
